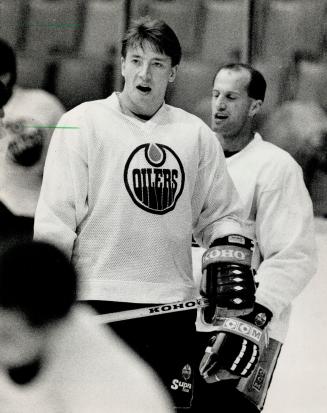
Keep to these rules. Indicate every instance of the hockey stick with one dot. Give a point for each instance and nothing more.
(150, 311)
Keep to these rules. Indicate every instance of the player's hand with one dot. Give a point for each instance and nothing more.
(227, 279)
(234, 349)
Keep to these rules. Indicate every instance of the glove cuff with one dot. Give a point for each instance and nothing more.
(234, 239)
(231, 248)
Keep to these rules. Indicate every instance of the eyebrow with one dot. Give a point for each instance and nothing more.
(157, 58)
(228, 91)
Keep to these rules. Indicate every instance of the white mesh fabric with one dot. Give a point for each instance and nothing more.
(126, 248)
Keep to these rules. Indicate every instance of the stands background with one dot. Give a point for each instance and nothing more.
(71, 47)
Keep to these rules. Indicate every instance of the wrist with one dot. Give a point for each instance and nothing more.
(260, 316)
(234, 239)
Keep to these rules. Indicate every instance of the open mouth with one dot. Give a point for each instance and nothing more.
(220, 117)
(144, 89)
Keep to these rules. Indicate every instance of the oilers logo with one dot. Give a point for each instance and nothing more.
(154, 178)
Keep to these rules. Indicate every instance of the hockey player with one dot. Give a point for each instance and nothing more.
(122, 194)
(30, 116)
(53, 357)
(12, 227)
(280, 220)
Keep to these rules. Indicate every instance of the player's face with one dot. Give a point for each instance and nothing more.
(232, 108)
(146, 73)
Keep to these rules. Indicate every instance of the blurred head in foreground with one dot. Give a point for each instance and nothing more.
(37, 291)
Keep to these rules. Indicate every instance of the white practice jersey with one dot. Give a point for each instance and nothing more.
(280, 220)
(87, 369)
(122, 198)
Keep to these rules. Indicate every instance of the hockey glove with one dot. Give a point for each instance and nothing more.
(233, 352)
(227, 278)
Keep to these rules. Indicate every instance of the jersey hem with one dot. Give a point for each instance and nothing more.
(135, 292)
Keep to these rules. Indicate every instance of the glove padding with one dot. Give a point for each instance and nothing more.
(233, 352)
(228, 280)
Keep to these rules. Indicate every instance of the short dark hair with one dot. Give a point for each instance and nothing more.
(257, 85)
(4, 95)
(8, 62)
(156, 32)
(38, 280)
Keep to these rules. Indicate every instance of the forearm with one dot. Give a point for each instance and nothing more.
(62, 203)
(286, 241)
(51, 228)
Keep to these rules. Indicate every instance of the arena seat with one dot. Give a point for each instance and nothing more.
(276, 74)
(11, 21)
(293, 25)
(32, 71)
(312, 82)
(138, 8)
(52, 26)
(181, 15)
(82, 79)
(103, 28)
(225, 30)
(193, 82)
(202, 109)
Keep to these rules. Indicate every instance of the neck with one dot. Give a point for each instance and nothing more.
(125, 108)
(235, 143)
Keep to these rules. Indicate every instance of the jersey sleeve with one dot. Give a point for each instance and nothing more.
(62, 203)
(216, 202)
(285, 236)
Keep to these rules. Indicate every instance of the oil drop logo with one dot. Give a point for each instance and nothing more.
(154, 178)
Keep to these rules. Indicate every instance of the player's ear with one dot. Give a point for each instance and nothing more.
(255, 107)
(122, 63)
(173, 73)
